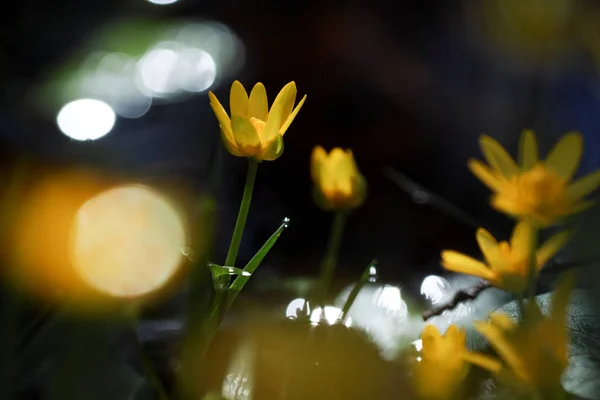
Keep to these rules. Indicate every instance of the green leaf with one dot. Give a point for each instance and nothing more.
(239, 282)
(219, 271)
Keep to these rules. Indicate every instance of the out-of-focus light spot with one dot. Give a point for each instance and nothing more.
(115, 81)
(435, 288)
(162, 2)
(127, 241)
(294, 306)
(418, 344)
(86, 119)
(199, 68)
(216, 39)
(380, 311)
(157, 69)
(172, 67)
(389, 298)
(332, 315)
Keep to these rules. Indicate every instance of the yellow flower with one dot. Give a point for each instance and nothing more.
(440, 371)
(253, 130)
(535, 352)
(539, 191)
(507, 263)
(338, 183)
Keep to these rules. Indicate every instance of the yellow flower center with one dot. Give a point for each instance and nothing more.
(538, 193)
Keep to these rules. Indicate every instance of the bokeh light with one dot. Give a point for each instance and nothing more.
(330, 316)
(127, 241)
(380, 311)
(171, 67)
(294, 307)
(114, 81)
(162, 2)
(86, 119)
(435, 288)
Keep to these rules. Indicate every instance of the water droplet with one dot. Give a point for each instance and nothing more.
(373, 274)
(188, 253)
(286, 222)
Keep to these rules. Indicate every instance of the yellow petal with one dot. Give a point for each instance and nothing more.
(485, 175)
(272, 151)
(291, 117)
(520, 241)
(484, 361)
(221, 114)
(258, 106)
(497, 157)
(528, 150)
(565, 155)
(583, 186)
(276, 113)
(488, 245)
(317, 158)
(502, 321)
(551, 247)
(238, 100)
(288, 105)
(245, 135)
(455, 338)
(457, 262)
(230, 145)
(430, 332)
(503, 346)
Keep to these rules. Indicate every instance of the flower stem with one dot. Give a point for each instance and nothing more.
(330, 260)
(532, 264)
(240, 223)
(236, 239)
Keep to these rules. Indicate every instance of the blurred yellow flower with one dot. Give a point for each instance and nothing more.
(338, 182)
(535, 352)
(253, 130)
(440, 370)
(507, 263)
(539, 191)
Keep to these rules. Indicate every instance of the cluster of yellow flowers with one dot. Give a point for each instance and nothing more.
(255, 131)
(532, 354)
(538, 194)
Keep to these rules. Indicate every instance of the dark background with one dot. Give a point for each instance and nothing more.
(405, 84)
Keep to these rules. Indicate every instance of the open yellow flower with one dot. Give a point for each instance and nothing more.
(253, 130)
(534, 353)
(339, 185)
(539, 191)
(441, 370)
(507, 263)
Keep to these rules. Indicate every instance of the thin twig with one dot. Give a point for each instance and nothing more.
(423, 195)
(459, 297)
(463, 295)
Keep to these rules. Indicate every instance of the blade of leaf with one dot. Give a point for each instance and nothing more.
(241, 280)
(356, 289)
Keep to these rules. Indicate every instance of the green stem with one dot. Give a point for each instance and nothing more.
(236, 239)
(532, 264)
(240, 223)
(356, 289)
(331, 257)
